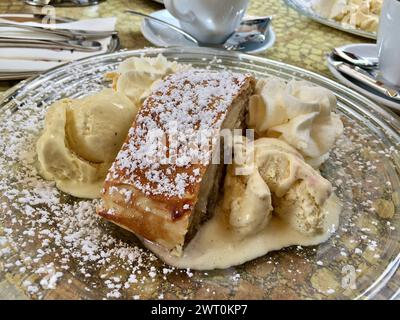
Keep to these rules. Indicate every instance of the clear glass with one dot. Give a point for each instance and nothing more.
(85, 257)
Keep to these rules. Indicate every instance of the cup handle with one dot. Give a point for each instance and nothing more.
(187, 16)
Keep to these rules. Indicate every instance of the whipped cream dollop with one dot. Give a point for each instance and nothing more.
(135, 76)
(362, 14)
(299, 113)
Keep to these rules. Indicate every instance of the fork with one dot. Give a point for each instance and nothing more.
(79, 45)
(72, 34)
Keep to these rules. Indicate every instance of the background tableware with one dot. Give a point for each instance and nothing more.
(165, 37)
(367, 240)
(249, 33)
(366, 78)
(165, 23)
(304, 7)
(20, 62)
(369, 51)
(65, 33)
(63, 3)
(209, 21)
(32, 17)
(351, 57)
(389, 41)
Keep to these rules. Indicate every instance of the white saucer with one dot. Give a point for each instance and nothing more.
(162, 36)
(367, 50)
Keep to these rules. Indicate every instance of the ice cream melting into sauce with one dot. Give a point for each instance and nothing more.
(281, 201)
(272, 197)
(217, 246)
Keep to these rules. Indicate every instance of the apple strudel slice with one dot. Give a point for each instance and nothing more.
(165, 180)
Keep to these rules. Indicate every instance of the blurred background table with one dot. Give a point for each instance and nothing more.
(300, 41)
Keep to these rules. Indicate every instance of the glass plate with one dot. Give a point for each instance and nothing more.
(53, 246)
(303, 7)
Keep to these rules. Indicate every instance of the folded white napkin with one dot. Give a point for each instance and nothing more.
(35, 59)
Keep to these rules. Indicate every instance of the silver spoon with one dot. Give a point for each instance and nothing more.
(355, 59)
(184, 33)
(62, 3)
(72, 34)
(79, 45)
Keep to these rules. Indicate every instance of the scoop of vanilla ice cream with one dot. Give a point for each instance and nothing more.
(80, 140)
(280, 183)
(135, 76)
(98, 124)
(297, 112)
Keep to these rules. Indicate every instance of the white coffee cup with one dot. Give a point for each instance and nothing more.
(388, 41)
(209, 21)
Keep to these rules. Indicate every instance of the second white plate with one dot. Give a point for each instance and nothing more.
(304, 7)
(367, 50)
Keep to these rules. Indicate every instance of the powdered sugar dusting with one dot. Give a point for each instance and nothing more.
(193, 102)
(51, 236)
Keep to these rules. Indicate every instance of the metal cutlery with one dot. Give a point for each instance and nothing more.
(62, 3)
(237, 40)
(363, 76)
(66, 33)
(249, 31)
(355, 59)
(261, 24)
(15, 75)
(79, 45)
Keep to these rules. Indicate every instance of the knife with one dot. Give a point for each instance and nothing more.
(79, 45)
(66, 33)
(366, 78)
